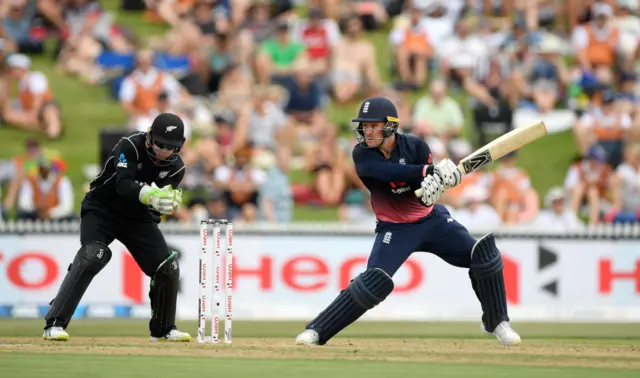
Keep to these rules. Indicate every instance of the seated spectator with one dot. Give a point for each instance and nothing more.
(222, 55)
(605, 125)
(412, 50)
(47, 196)
(141, 89)
(277, 55)
(241, 184)
(256, 28)
(588, 181)
(18, 28)
(513, 196)
(475, 212)
(454, 197)
(557, 217)
(439, 115)
(35, 107)
(545, 76)
(319, 35)
(372, 13)
(326, 162)
(304, 104)
(169, 11)
(235, 89)
(90, 31)
(625, 188)
(353, 63)
(268, 125)
(276, 197)
(597, 43)
(461, 52)
(163, 105)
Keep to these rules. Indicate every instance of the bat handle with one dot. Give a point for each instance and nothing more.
(418, 192)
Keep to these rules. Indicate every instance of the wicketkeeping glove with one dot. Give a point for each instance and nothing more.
(160, 200)
(448, 172)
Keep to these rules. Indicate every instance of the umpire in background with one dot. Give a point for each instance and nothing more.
(125, 202)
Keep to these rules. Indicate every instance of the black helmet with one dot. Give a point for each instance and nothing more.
(377, 109)
(167, 132)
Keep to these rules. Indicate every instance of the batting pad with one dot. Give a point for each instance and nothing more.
(89, 261)
(486, 271)
(164, 297)
(364, 292)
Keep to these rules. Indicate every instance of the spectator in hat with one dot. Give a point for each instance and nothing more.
(46, 196)
(476, 213)
(598, 42)
(556, 216)
(588, 182)
(35, 107)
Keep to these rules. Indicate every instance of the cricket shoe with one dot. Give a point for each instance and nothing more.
(55, 334)
(504, 333)
(308, 337)
(173, 335)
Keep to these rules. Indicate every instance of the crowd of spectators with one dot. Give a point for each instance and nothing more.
(256, 80)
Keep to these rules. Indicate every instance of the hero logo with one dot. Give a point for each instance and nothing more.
(122, 163)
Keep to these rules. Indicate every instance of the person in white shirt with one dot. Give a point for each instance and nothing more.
(476, 213)
(47, 196)
(556, 217)
(626, 188)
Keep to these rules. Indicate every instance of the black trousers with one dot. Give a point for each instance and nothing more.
(143, 238)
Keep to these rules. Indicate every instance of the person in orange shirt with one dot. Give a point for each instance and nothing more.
(35, 107)
(413, 49)
(598, 42)
(514, 198)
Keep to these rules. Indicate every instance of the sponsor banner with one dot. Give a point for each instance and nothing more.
(294, 277)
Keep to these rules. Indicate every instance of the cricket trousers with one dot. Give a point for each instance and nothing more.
(437, 233)
(143, 238)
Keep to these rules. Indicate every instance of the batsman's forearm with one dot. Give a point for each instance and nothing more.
(392, 172)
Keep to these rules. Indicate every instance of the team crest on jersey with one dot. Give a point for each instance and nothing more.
(401, 161)
(163, 174)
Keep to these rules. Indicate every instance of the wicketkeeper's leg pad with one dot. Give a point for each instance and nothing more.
(163, 294)
(89, 261)
(488, 281)
(366, 291)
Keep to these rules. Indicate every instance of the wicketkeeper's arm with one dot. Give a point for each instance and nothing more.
(125, 161)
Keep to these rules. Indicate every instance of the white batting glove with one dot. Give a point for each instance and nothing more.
(448, 172)
(432, 189)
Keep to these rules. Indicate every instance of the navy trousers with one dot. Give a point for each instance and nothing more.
(437, 233)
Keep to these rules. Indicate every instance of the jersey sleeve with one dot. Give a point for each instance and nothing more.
(369, 163)
(126, 160)
(424, 152)
(175, 178)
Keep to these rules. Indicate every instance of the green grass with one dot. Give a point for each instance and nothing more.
(86, 109)
(118, 348)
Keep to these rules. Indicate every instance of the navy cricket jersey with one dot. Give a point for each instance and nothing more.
(392, 181)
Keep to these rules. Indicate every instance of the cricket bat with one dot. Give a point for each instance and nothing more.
(498, 148)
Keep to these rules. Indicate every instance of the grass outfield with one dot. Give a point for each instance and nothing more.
(119, 348)
(86, 109)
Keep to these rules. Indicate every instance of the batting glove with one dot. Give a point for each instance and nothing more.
(448, 172)
(432, 189)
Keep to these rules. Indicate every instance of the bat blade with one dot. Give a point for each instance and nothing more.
(505, 144)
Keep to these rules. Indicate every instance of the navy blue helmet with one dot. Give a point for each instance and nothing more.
(376, 109)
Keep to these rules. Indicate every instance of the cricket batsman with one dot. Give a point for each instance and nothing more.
(125, 201)
(392, 166)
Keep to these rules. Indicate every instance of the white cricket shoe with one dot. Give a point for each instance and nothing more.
(55, 334)
(308, 337)
(504, 333)
(173, 335)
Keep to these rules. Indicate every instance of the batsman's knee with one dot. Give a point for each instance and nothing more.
(94, 256)
(371, 287)
(169, 270)
(486, 259)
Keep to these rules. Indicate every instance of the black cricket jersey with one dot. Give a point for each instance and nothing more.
(392, 181)
(128, 168)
